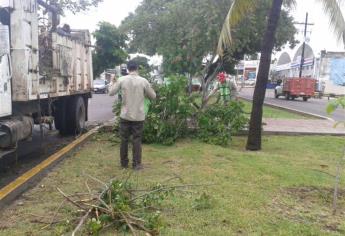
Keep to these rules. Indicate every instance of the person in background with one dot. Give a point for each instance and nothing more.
(134, 90)
(65, 30)
(124, 72)
(227, 89)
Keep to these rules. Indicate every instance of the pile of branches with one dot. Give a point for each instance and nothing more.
(122, 207)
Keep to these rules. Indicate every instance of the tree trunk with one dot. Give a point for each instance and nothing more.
(255, 126)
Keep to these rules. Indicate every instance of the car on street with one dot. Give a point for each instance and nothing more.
(100, 86)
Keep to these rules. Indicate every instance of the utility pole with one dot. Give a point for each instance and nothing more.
(304, 42)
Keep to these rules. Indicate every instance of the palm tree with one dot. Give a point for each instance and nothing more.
(238, 10)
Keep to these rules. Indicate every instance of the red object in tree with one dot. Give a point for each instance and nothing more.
(221, 77)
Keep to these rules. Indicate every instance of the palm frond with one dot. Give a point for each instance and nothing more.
(336, 19)
(238, 10)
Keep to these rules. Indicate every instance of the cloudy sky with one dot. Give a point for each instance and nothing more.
(115, 11)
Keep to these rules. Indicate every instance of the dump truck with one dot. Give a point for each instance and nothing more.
(45, 72)
(296, 87)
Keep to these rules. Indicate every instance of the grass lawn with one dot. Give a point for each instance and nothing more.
(286, 189)
(270, 112)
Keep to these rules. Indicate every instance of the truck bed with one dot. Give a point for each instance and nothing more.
(300, 86)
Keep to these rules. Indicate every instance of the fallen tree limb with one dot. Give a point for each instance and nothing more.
(81, 222)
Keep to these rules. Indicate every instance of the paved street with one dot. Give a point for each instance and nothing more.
(100, 108)
(31, 152)
(315, 106)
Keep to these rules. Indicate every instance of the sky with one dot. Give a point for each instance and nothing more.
(321, 35)
(114, 11)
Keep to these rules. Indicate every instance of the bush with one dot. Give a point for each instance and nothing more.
(175, 114)
(167, 119)
(217, 123)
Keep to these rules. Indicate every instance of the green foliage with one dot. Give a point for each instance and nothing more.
(185, 31)
(334, 105)
(73, 5)
(156, 199)
(203, 202)
(219, 122)
(94, 226)
(167, 119)
(248, 34)
(110, 48)
(154, 221)
(130, 205)
(175, 114)
(119, 197)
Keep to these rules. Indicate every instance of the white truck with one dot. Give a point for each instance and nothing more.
(45, 71)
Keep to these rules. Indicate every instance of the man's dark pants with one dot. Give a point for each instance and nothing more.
(128, 128)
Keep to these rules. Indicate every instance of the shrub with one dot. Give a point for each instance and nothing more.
(168, 116)
(175, 114)
(217, 123)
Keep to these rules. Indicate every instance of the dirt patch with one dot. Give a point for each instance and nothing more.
(311, 206)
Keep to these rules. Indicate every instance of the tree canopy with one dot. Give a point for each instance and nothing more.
(186, 31)
(110, 47)
(73, 5)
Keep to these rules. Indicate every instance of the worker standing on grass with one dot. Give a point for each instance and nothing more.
(134, 90)
(227, 89)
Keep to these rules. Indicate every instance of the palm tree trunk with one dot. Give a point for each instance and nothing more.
(254, 136)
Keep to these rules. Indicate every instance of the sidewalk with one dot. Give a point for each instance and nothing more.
(302, 127)
(313, 106)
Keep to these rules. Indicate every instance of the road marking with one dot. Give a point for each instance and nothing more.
(20, 181)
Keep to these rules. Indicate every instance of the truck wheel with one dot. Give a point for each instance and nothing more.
(77, 115)
(287, 96)
(305, 99)
(60, 117)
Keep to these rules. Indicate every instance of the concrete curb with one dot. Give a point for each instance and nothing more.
(293, 133)
(29, 179)
(292, 110)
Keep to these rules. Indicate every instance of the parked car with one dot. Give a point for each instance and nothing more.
(100, 86)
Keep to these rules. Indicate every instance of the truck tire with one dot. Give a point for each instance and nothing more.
(60, 117)
(287, 96)
(305, 99)
(76, 120)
